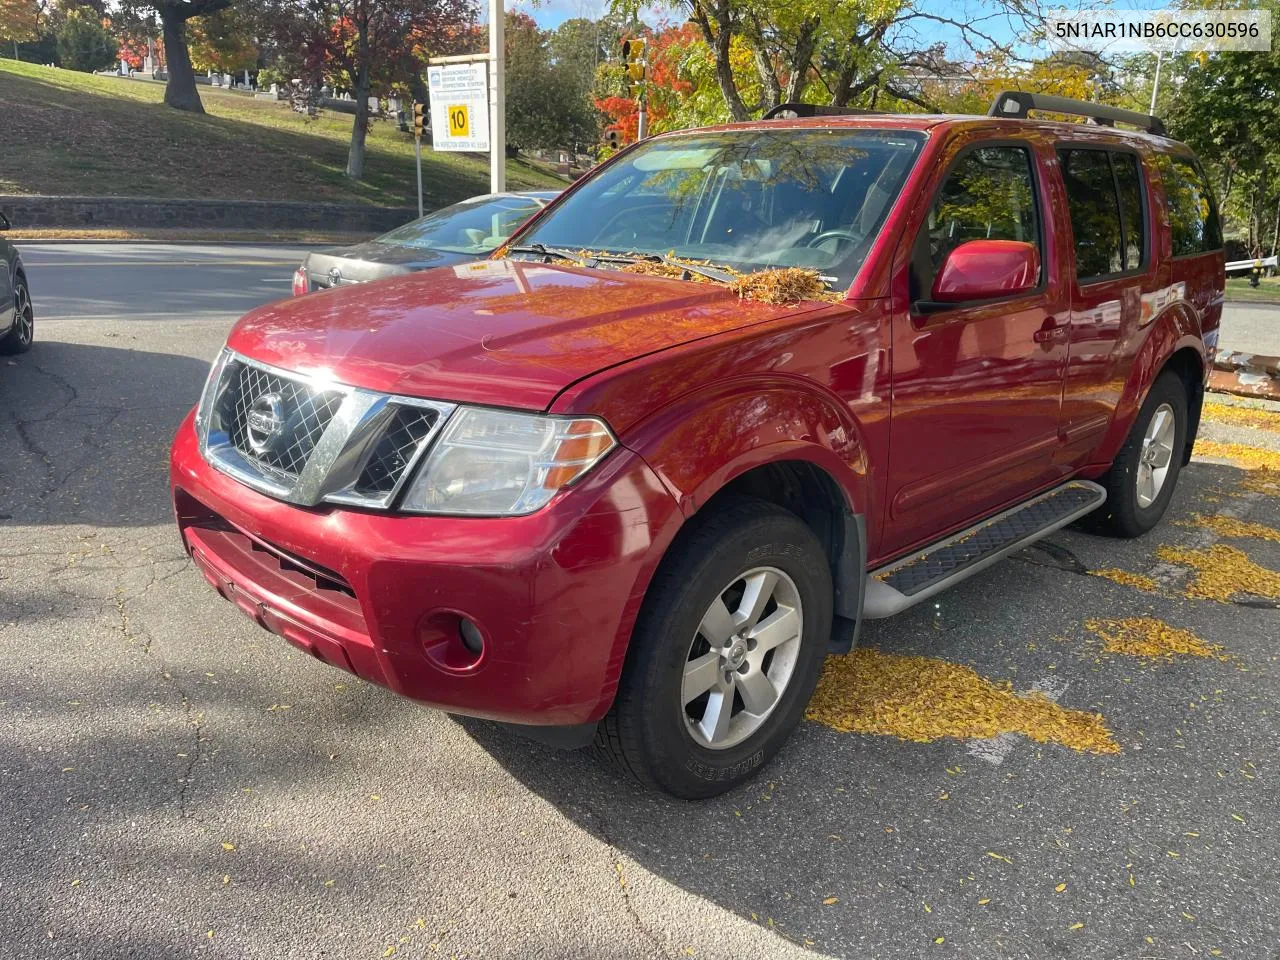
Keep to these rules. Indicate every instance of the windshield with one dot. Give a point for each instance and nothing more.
(747, 199)
(473, 226)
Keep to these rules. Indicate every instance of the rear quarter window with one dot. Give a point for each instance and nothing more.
(1193, 212)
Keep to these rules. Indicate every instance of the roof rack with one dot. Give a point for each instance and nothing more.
(1017, 104)
(790, 111)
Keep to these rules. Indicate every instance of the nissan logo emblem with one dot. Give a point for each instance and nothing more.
(264, 421)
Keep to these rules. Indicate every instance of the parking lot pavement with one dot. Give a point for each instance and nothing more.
(1251, 328)
(156, 281)
(177, 782)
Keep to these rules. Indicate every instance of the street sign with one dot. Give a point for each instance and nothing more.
(459, 106)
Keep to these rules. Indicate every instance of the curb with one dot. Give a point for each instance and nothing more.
(1246, 374)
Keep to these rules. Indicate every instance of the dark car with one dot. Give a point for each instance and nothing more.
(465, 231)
(17, 320)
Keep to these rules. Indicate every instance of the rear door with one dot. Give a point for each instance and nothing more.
(976, 387)
(1111, 266)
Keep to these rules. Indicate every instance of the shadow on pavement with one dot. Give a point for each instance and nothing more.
(85, 432)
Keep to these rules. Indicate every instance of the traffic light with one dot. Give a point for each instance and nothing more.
(419, 118)
(612, 140)
(634, 63)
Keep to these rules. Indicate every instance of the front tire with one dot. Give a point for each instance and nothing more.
(725, 654)
(20, 336)
(1141, 480)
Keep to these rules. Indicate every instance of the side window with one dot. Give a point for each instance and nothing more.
(1193, 215)
(1095, 212)
(1129, 183)
(988, 195)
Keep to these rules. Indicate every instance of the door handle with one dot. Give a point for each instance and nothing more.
(1051, 332)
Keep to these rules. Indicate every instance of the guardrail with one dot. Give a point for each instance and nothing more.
(1244, 266)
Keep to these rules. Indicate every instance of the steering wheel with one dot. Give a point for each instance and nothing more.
(846, 235)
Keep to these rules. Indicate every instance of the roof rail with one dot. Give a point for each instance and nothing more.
(1017, 104)
(789, 111)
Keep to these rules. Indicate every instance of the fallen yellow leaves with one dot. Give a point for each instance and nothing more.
(830, 901)
(1264, 481)
(1150, 638)
(1241, 454)
(923, 699)
(1233, 528)
(1127, 579)
(1240, 416)
(1221, 572)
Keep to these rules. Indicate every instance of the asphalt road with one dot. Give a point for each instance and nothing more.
(1251, 328)
(176, 782)
(151, 281)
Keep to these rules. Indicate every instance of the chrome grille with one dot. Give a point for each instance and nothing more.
(290, 437)
(305, 414)
(397, 449)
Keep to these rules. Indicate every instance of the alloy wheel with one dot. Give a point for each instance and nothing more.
(24, 318)
(742, 658)
(1156, 455)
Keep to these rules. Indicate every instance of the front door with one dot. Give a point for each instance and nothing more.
(976, 387)
(7, 303)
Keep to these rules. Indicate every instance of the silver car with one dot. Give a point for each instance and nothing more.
(465, 231)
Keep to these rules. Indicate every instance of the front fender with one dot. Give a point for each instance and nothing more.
(1175, 328)
(710, 437)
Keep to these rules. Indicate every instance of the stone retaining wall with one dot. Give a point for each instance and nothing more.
(32, 212)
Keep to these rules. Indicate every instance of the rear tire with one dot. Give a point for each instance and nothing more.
(21, 334)
(737, 618)
(1144, 473)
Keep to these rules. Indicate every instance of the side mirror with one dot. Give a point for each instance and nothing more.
(985, 270)
(4, 221)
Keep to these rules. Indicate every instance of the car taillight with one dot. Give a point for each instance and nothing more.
(301, 282)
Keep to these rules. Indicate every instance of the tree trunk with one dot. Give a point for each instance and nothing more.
(180, 91)
(360, 128)
(718, 41)
(772, 95)
(799, 78)
(1275, 230)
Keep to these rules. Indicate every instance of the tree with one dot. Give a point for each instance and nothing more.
(180, 92)
(19, 22)
(548, 103)
(85, 44)
(222, 41)
(1227, 109)
(372, 45)
(842, 52)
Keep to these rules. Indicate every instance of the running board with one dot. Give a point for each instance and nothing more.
(904, 583)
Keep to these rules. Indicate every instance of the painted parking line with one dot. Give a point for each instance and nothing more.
(997, 748)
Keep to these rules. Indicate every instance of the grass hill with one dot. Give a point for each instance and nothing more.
(68, 133)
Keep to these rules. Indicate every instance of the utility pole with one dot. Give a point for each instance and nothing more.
(1155, 84)
(497, 98)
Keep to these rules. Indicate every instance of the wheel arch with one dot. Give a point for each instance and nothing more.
(1172, 342)
(780, 440)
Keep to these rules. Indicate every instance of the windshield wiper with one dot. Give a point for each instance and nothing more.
(711, 273)
(543, 250)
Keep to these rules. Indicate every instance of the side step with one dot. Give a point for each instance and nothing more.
(904, 583)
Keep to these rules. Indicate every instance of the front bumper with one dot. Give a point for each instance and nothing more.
(554, 594)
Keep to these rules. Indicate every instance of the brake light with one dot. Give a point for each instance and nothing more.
(301, 282)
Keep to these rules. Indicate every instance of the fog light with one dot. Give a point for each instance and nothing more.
(470, 635)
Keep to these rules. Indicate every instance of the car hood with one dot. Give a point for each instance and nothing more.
(502, 332)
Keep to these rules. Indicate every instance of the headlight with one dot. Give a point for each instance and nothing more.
(497, 463)
(209, 395)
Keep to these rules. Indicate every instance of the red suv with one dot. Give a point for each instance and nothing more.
(591, 489)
